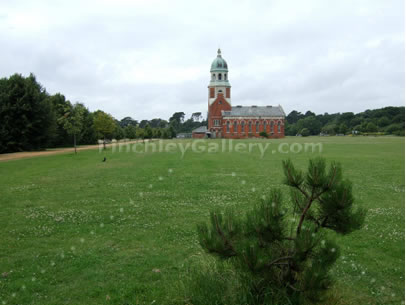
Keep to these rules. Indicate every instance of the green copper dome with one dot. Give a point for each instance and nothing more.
(219, 64)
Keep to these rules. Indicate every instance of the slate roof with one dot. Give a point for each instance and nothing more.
(255, 111)
(201, 129)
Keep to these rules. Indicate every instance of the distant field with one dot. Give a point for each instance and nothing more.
(75, 230)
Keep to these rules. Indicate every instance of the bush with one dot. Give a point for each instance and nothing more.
(263, 134)
(305, 132)
(274, 253)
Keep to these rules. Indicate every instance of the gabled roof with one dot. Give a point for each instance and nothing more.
(255, 111)
(201, 129)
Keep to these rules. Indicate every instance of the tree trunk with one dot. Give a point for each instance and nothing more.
(74, 142)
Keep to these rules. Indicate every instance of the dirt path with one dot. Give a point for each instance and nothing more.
(31, 154)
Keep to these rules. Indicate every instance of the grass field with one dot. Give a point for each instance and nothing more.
(75, 230)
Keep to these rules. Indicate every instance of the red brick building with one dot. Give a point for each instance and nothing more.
(226, 121)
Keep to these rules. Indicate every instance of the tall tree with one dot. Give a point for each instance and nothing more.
(72, 121)
(27, 117)
(104, 124)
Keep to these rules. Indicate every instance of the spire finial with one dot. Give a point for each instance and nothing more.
(219, 52)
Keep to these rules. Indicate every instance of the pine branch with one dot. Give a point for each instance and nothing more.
(226, 242)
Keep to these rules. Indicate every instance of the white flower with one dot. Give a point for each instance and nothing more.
(73, 248)
(243, 182)
(42, 271)
(82, 240)
(121, 210)
(233, 174)
(323, 242)
(101, 225)
(253, 189)
(150, 186)
(170, 170)
(33, 279)
(111, 217)
(333, 250)
(160, 178)
(52, 263)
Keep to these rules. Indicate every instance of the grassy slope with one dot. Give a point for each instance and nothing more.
(75, 230)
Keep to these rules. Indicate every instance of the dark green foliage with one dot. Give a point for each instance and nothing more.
(263, 134)
(390, 120)
(27, 117)
(272, 253)
(304, 132)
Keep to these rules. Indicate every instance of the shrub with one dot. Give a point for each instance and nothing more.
(305, 132)
(279, 250)
(263, 134)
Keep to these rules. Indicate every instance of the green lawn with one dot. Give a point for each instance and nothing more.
(75, 230)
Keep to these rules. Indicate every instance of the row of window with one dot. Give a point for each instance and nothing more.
(219, 76)
(257, 124)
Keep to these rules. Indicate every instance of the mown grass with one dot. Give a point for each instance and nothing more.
(75, 230)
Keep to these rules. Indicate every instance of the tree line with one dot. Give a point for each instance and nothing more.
(33, 119)
(388, 120)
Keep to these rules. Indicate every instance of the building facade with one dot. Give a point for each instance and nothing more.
(226, 121)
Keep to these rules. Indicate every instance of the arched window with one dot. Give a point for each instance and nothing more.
(219, 76)
(249, 126)
(213, 77)
(242, 126)
(225, 76)
(279, 126)
(235, 126)
(272, 126)
(264, 126)
(257, 127)
(228, 126)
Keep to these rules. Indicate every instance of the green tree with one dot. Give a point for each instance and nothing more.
(271, 253)
(343, 128)
(72, 121)
(148, 132)
(104, 124)
(140, 134)
(371, 127)
(27, 116)
(305, 132)
(130, 132)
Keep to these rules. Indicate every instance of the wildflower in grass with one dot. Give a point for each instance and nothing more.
(13, 294)
(73, 248)
(160, 178)
(233, 174)
(253, 189)
(243, 182)
(170, 170)
(33, 279)
(82, 240)
(52, 263)
(42, 271)
(101, 225)
(121, 210)
(111, 217)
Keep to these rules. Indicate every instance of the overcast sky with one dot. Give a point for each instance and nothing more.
(148, 58)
